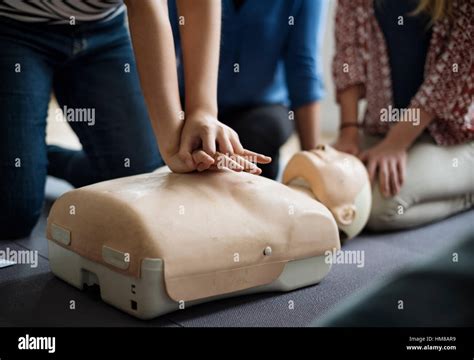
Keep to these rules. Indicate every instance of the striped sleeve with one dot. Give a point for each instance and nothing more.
(61, 11)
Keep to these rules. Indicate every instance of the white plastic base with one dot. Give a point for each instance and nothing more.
(146, 297)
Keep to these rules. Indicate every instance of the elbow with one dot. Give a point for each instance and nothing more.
(305, 89)
(131, 4)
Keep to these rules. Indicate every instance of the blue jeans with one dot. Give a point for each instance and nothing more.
(91, 70)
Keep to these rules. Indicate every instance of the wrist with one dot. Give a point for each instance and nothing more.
(349, 132)
(203, 110)
(349, 125)
(168, 149)
(399, 138)
(200, 114)
(405, 133)
(308, 144)
(169, 139)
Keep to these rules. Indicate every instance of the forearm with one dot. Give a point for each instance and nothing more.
(307, 125)
(200, 40)
(349, 105)
(349, 111)
(406, 132)
(156, 61)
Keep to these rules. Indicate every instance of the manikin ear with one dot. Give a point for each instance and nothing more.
(344, 214)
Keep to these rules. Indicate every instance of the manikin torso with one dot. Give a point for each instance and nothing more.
(219, 231)
(213, 230)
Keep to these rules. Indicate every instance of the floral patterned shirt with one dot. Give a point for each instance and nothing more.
(447, 91)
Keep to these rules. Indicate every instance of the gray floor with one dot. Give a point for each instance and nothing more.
(34, 297)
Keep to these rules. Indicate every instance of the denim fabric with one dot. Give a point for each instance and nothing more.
(91, 69)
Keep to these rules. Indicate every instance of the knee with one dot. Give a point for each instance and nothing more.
(265, 129)
(386, 213)
(18, 221)
(278, 125)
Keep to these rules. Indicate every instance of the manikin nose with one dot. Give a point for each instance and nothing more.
(320, 151)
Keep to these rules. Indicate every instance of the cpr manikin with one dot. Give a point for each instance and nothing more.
(160, 242)
(338, 180)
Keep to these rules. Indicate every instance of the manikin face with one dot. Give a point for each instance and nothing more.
(335, 164)
(326, 153)
(335, 178)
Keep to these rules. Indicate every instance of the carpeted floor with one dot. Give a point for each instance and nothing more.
(34, 297)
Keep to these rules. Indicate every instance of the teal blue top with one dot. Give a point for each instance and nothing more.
(276, 44)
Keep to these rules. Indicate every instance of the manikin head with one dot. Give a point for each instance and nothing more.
(336, 179)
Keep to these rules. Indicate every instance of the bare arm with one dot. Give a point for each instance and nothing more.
(189, 144)
(200, 40)
(405, 133)
(348, 140)
(307, 124)
(387, 160)
(156, 61)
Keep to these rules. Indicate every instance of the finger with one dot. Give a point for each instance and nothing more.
(247, 165)
(371, 168)
(402, 168)
(225, 162)
(201, 167)
(213, 167)
(256, 157)
(394, 178)
(185, 151)
(225, 145)
(235, 141)
(384, 178)
(203, 160)
(209, 143)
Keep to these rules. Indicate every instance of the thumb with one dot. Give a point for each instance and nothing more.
(185, 151)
